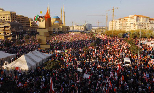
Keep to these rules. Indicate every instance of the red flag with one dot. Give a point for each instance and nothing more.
(51, 86)
(118, 68)
(62, 89)
(110, 85)
(47, 15)
(17, 68)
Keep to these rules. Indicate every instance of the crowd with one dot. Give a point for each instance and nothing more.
(18, 49)
(87, 68)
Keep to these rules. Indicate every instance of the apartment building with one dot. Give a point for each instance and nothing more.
(10, 30)
(132, 22)
(24, 21)
(10, 16)
(7, 15)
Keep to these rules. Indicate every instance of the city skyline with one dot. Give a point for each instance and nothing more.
(77, 10)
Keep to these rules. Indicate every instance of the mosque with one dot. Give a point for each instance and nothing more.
(49, 26)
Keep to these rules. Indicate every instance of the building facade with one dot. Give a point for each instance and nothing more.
(49, 26)
(25, 21)
(7, 15)
(132, 22)
(10, 30)
(78, 28)
(98, 29)
(85, 27)
(10, 16)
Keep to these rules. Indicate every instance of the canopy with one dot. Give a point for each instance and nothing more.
(6, 57)
(29, 61)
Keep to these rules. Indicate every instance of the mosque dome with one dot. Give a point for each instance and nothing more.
(55, 17)
(56, 22)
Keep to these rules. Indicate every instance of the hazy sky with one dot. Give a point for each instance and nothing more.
(77, 10)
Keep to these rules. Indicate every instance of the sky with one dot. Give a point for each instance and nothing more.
(77, 11)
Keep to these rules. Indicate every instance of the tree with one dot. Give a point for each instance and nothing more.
(98, 41)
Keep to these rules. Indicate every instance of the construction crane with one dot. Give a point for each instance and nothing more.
(106, 20)
(95, 15)
(102, 15)
(72, 23)
(113, 17)
(98, 22)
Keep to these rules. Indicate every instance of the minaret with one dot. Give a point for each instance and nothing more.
(47, 19)
(61, 13)
(63, 16)
(48, 9)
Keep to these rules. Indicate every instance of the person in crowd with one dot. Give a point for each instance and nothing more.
(86, 68)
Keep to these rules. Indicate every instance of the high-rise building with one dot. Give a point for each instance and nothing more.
(25, 21)
(132, 22)
(10, 30)
(10, 16)
(7, 15)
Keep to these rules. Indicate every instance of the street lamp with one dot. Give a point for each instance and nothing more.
(139, 43)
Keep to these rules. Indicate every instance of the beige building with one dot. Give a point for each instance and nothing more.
(48, 26)
(132, 22)
(98, 29)
(10, 30)
(78, 28)
(10, 16)
(85, 27)
(24, 21)
(7, 15)
(33, 25)
(5, 31)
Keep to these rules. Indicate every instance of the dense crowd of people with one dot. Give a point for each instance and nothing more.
(19, 49)
(87, 68)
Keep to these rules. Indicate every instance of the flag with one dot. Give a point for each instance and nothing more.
(86, 76)
(47, 15)
(118, 69)
(79, 69)
(111, 74)
(62, 89)
(98, 66)
(36, 17)
(17, 68)
(110, 85)
(51, 86)
(144, 75)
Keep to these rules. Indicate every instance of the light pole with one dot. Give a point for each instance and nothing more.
(113, 18)
(139, 44)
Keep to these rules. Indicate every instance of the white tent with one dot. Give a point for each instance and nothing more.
(6, 57)
(28, 61)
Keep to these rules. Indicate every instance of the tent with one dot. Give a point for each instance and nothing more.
(29, 61)
(6, 57)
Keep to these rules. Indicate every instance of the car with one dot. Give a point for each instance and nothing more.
(127, 61)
